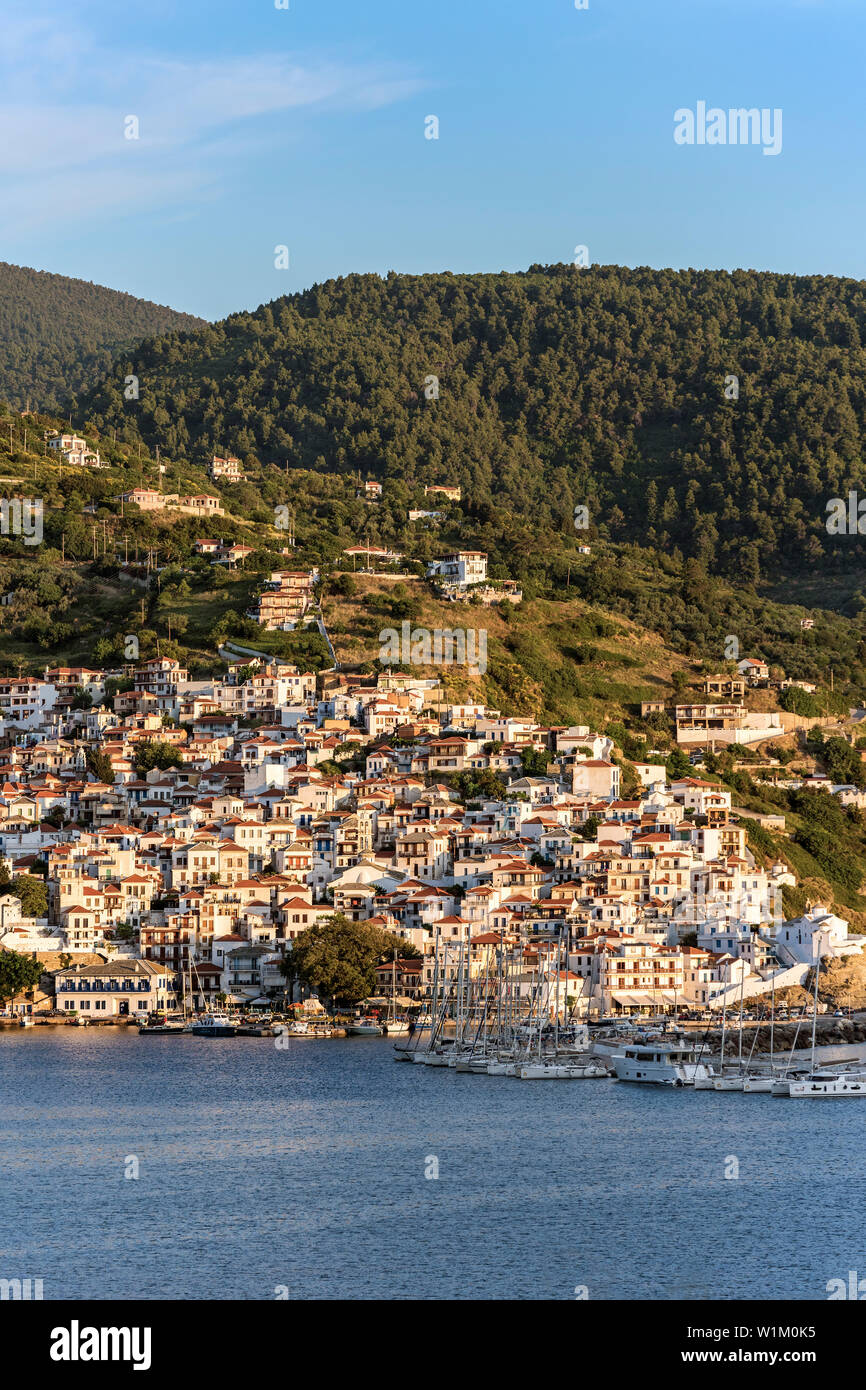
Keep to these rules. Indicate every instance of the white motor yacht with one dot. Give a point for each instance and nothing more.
(825, 1085)
(213, 1025)
(660, 1064)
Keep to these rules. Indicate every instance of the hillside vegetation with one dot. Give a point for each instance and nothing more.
(59, 336)
(539, 392)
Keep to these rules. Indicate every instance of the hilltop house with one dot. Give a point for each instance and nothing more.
(228, 469)
(461, 568)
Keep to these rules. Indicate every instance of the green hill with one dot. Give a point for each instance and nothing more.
(604, 388)
(58, 336)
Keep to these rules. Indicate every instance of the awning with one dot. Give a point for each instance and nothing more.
(646, 999)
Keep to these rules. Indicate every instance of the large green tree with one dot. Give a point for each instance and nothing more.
(338, 957)
(33, 894)
(18, 975)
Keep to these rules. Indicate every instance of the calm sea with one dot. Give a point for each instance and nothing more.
(304, 1170)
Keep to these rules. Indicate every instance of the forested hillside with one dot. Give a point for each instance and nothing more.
(59, 336)
(557, 388)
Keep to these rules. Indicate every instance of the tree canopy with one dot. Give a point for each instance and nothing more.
(338, 957)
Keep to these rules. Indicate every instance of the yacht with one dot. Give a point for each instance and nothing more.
(365, 1028)
(817, 1084)
(476, 1063)
(501, 1066)
(759, 1084)
(729, 1081)
(213, 1025)
(826, 1085)
(561, 1071)
(164, 1023)
(660, 1064)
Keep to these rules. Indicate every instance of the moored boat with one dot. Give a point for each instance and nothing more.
(213, 1025)
(759, 1084)
(660, 1064)
(169, 1023)
(501, 1066)
(562, 1071)
(365, 1028)
(822, 1085)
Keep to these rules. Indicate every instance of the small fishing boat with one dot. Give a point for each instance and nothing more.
(25, 1022)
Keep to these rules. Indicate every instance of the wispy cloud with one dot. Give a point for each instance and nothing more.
(64, 98)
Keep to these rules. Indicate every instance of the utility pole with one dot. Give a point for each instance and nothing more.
(63, 546)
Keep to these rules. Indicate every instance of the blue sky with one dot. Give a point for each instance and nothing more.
(305, 127)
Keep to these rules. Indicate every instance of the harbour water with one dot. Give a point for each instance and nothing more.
(301, 1172)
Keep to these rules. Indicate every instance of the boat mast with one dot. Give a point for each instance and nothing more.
(499, 989)
(556, 1020)
(394, 989)
(819, 939)
(435, 993)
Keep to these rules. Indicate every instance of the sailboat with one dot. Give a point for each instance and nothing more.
(823, 1084)
(172, 1022)
(732, 1080)
(394, 1026)
(761, 1083)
